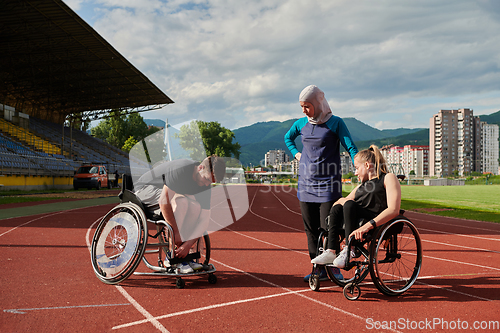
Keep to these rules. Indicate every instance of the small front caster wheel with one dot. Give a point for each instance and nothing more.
(314, 282)
(179, 283)
(352, 291)
(212, 279)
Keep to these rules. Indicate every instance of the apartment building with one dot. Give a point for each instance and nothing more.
(416, 159)
(346, 163)
(276, 157)
(489, 148)
(408, 159)
(454, 143)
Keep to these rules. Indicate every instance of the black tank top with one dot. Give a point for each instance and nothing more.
(371, 195)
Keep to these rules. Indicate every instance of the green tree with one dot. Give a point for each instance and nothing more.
(118, 128)
(215, 139)
(129, 144)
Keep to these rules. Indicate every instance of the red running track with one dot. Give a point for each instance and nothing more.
(48, 284)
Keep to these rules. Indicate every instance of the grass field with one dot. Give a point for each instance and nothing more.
(474, 202)
(478, 197)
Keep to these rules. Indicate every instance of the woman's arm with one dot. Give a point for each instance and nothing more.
(393, 193)
(337, 126)
(292, 134)
(350, 196)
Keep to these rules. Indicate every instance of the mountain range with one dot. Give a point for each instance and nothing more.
(257, 139)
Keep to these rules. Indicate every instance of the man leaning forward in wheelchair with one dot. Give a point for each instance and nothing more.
(181, 191)
(375, 201)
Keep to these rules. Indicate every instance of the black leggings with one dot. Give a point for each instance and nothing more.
(349, 217)
(314, 216)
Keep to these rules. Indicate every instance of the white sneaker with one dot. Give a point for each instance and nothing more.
(326, 258)
(195, 266)
(166, 263)
(184, 268)
(340, 261)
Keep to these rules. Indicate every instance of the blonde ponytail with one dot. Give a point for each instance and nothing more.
(375, 157)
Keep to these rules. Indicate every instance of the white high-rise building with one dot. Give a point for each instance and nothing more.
(346, 163)
(454, 143)
(404, 160)
(489, 148)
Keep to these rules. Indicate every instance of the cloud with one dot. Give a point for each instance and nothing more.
(235, 62)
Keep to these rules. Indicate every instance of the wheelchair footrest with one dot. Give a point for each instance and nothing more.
(189, 257)
(208, 269)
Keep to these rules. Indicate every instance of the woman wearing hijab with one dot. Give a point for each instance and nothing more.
(320, 174)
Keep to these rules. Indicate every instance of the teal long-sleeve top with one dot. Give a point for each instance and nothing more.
(320, 174)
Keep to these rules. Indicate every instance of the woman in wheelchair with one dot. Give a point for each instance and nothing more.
(375, 201)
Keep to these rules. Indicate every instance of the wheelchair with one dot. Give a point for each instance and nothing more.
(391, 253)
(122, 240)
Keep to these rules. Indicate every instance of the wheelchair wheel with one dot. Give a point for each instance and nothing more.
(342, 276)
(314, 282)
(202, 245)
(396, 257)
(352, 291)
(119, 243)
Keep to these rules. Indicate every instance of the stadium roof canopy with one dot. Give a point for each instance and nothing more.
(53, 64)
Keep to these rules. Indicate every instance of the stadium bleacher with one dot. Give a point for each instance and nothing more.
(37, 151)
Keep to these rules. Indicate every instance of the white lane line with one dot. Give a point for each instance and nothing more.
(214, 306)
(23, 311)
(290, 210)
(269, 220)
(462, 263)
(461, 235)
(137, 306)
(465, 226)
(287, 292)
(30, 221)
(461, 246)
(260, 240)
(149, 317)
(425, 256)
(455, 218)
(453, 291)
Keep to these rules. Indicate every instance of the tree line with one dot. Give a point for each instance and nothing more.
(125, 130)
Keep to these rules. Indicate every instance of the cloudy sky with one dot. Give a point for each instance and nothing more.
(389, 64)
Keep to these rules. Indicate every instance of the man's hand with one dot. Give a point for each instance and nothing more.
(183, 250)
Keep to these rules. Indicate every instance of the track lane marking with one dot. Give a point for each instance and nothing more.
(30, 221)
(461, 246)
(461, 235)
(287, 292)
(22, 311)
(220, 305)
(144, 312)
(269, 220)
(214, 306)
(454, 291)
(137, 306)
